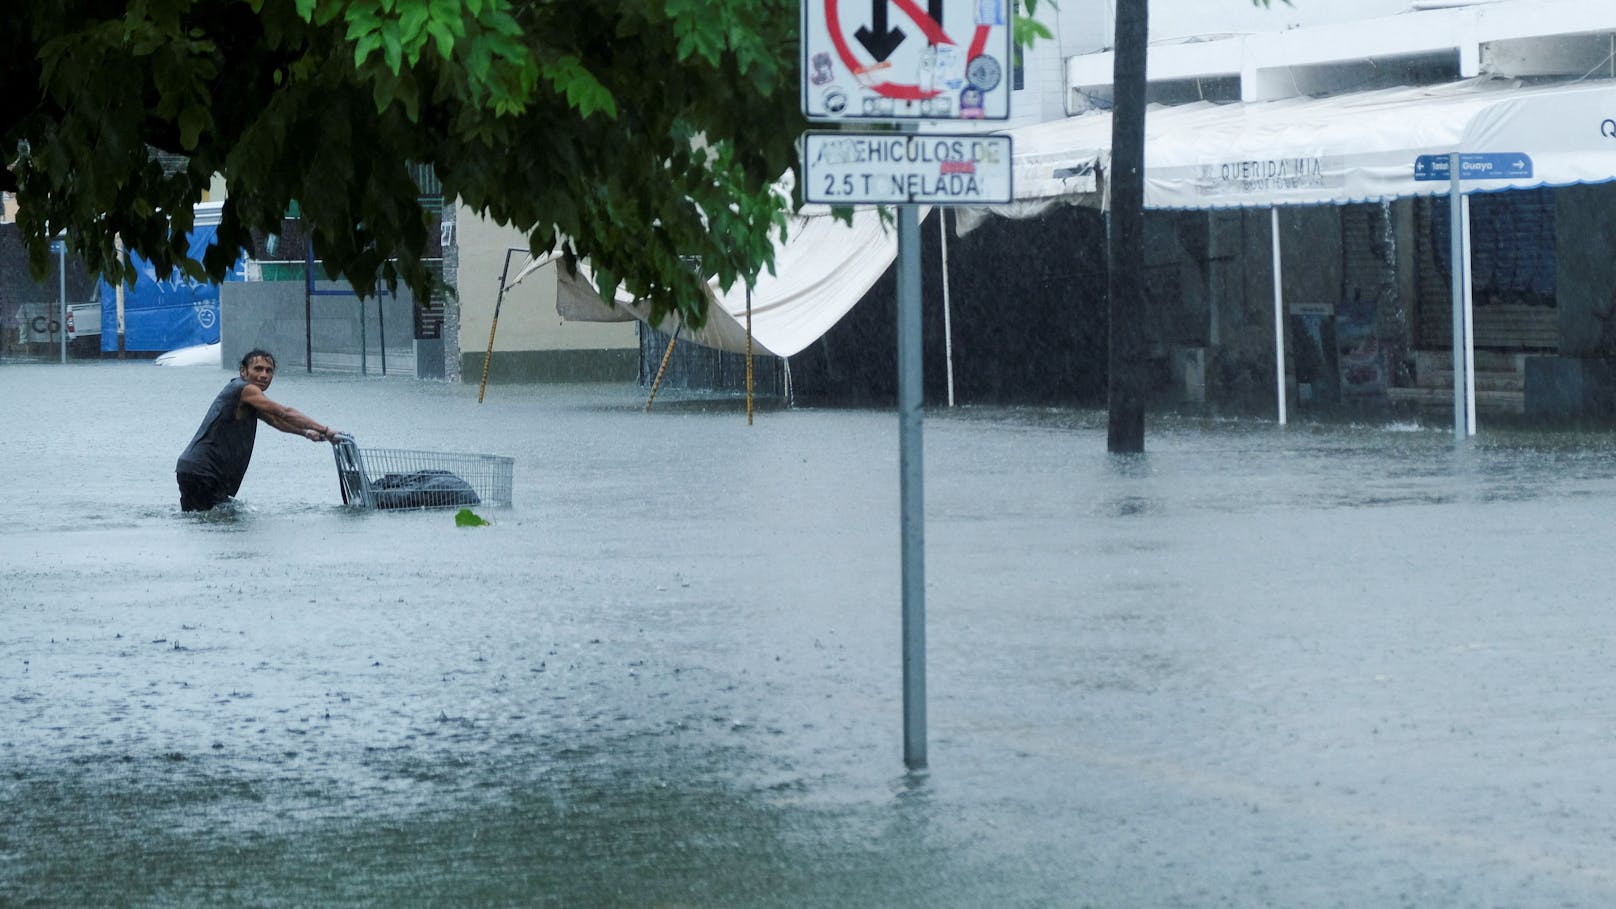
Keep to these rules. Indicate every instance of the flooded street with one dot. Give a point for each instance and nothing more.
(1305, 667)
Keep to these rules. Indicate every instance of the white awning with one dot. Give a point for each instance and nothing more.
(1362, 147)
(1341, 149)
(822, 268)
(1359, 147)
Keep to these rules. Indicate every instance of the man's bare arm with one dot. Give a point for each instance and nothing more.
(286, 419)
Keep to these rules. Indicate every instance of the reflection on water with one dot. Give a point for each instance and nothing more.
(1343, 665)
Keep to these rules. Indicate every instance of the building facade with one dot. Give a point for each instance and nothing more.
(1360, 318)
(1365, 323)
(1367, 287)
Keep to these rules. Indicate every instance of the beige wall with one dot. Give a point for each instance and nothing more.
(527, 316)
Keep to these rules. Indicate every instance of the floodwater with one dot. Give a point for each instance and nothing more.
(1317, 666)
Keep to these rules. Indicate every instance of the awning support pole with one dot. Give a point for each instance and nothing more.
(61, 259)
(948, 326)
(1470, 327)
(911, 392)
(364, 339)
(1456, 269)
(381, 326)
(749, 355)
(493, 326)
(666, 356)
(1279, 317)
(308, 307)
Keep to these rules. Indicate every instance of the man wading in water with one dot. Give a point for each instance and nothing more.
(211, 469)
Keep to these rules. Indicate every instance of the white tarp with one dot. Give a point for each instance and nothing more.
(1340, 149)
(1359, 147)
(821, 270)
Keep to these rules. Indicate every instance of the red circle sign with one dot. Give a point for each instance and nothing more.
(928, 26)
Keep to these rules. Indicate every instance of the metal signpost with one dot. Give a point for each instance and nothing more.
(1456, 167)
(891, 61)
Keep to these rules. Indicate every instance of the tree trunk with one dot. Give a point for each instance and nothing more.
(1125, 241)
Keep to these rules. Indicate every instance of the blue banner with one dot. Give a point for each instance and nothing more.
(162, 314)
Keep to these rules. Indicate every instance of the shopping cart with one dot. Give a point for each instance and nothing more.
(405, 478)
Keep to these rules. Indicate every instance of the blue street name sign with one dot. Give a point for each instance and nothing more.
(1476, 166)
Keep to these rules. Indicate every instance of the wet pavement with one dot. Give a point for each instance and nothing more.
(1337, 665)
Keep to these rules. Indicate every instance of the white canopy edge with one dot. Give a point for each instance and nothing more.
(1334, 150)
(822, 267)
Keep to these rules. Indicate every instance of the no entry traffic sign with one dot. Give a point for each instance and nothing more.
(901, 60)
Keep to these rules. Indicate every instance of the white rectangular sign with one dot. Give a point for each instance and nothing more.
(898, 60)
(845, 168)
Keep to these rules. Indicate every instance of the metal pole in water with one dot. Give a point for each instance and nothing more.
(381, 328)
(1456, 268)
(493, 325)
(948, 321)
(749, 355)
(666, 356)
(1469, 325)
(911, 392)
(308, 308)
(1279, 317)
(363, 330)
(61, 257)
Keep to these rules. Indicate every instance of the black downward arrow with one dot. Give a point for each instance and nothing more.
(877, 38)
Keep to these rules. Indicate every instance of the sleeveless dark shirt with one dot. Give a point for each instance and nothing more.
(223, 444)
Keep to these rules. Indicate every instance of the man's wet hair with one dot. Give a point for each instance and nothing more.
(259, 352)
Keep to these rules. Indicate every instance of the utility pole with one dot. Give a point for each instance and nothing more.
(1125, 238)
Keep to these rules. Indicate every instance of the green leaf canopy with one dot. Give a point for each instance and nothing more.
(645, 135)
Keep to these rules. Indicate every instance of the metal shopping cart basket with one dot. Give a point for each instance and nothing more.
(405, 478)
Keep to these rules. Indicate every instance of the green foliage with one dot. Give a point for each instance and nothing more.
(645, 135)
(465, 517)
(1026, 29)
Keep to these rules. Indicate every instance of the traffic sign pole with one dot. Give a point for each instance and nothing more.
(1461, 347)
(897, 62)
(1455, 168)
(911, 397)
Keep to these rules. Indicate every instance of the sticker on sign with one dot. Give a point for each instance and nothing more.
(845, 168)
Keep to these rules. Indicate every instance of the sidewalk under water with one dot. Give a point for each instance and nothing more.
(1304, 666)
